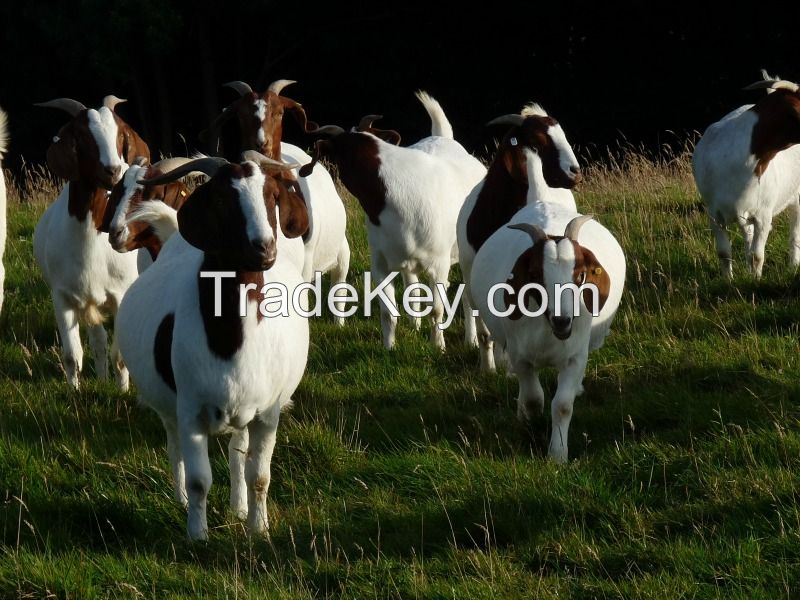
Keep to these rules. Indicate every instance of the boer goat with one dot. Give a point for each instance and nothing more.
(502, 193)
(747, 170)
(206, 374)
(534, 324)
(3, 150)
(86, 277)
(260, 118)
(411, 197)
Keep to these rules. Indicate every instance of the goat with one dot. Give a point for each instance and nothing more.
(128, 196)
(3, 149)
(134, 197)
(86, 277)
(586, 253)
(502, 193)
(260, 118)
(206, 374)
(747, 170)
(411, 197)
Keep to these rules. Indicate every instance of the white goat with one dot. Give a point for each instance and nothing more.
(586, 253)
(205, 374)
(86, 277)
(411, 197)
(747, 170)
(3, 149)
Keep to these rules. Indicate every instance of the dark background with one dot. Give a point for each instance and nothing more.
(637, 72)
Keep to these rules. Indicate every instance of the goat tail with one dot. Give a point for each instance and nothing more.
(439, 124)
(3, 133)
(92, 315)
(162, 218)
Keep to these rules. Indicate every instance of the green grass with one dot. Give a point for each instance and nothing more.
(406, 475)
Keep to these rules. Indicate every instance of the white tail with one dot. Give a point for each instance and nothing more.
(439, 124)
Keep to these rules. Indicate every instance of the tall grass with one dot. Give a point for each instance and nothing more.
(406, 475)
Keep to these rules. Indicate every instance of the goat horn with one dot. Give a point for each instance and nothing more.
(277, 86)
(265, 161)
(170, 164)
(331, 130)
(111, 101)
(208, 166)
(773, 84)
(73, 107)
(574, 226)
(367, 121)
(240, 86)
(511, 119)
(536, 232)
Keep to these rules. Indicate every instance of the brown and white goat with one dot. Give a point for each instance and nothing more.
(87, 278)
(260, 118)
(411, 197)
(208, 370)
(504, 190)
(747, 170)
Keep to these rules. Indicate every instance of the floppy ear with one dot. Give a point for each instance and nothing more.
(133, 146)
(62, 157)
(527, 269)
(321, 148)
(196, 223)
(596, 274)
(292, 211)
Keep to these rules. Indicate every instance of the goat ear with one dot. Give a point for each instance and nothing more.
(133, 146)
(527, 269)
(196, 224)
(292, 212)
(321, 148)
(62, 157)
(299, 114)
(596, 274)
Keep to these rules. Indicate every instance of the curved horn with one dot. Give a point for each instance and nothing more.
(240, 86)
(169, 164)
(111, 101)
(574, 226)
(265, 161)
(331, 130)
(73, 107)
(511, 119)
(367, 121)
(208, 166)
(536, 232)
(773, 84)
(277, 86)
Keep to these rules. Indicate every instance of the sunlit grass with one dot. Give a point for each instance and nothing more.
(405, 474)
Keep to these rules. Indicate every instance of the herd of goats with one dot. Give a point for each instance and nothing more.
(274, 215)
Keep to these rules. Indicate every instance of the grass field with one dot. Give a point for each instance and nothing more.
(406, 474)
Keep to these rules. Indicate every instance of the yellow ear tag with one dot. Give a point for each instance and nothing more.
(183, 193)
(598, 270)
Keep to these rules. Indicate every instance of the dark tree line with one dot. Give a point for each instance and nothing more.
(638, 71)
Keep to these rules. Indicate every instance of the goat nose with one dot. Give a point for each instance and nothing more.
(561, 322)
(575, 170)
(114, 172)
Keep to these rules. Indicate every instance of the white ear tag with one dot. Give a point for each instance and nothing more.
(513, 141)
(56, 139)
